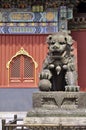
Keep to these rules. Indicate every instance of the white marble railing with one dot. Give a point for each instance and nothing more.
(10, 115)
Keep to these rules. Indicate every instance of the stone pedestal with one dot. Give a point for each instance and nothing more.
(58, 108)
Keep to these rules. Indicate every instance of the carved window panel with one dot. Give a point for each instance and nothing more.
(29, 70)
(22, 69)
(15, 68)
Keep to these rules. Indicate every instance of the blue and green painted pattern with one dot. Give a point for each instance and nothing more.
(26, 22)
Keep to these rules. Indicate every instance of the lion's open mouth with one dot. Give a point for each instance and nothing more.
(56, 53)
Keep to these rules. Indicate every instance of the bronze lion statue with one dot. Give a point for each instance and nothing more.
(59, 70)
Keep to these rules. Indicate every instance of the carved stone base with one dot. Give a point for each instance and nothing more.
(64, 121)
(58, 108)
(66, 100)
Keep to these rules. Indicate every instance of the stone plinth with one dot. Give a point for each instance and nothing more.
(58, 108)
(59, 99)
(64, 121)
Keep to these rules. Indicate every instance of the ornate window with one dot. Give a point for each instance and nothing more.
(22, 68)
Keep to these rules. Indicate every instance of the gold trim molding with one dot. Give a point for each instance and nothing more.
(21, 52)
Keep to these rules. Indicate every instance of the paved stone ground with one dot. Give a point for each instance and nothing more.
(10, 115)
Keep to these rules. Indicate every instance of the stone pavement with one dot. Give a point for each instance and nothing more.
(10, 115)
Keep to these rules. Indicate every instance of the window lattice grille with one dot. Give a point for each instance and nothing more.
(28, 67)
(15, 67)
(22, 69)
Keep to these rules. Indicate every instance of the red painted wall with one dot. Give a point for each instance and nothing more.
(10, 44)
(80, 37)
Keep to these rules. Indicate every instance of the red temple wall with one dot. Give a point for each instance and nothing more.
(80, 37)
(10, 44)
